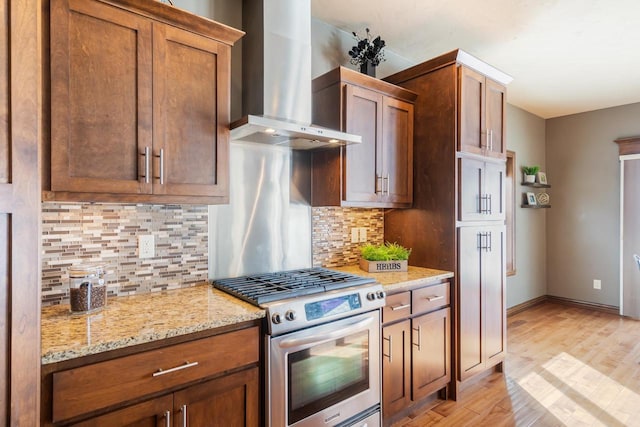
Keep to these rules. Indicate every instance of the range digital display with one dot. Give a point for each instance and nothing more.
(329, 307)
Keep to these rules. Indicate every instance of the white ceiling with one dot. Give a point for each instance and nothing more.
(566, 56)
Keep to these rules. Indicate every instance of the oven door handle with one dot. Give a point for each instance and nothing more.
(317, 339)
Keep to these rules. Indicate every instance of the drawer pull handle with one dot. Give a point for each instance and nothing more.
(186, 365)
(434, 297)
(400, 307)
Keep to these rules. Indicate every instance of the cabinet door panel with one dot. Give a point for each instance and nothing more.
(471, 192)
(396, 367)
(5, 314)
(152, 413)
(431, 359)
(494, 189)
(101, 98)
(229, 401)
(495, 110)
(363, 117)
(397, 150)
(470, 302)
(494, 294)
(471, 111)
(190, 75)
(4, 93)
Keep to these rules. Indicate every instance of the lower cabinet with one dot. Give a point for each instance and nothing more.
(211, 381)
(228, 401)
(482, 299)
(416, 347)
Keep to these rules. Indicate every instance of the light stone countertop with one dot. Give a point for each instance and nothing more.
(137, 319)
(400, 281)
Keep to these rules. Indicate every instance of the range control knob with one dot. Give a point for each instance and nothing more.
(381, 294)
(276, 318)
(290, 315)
(371, 296)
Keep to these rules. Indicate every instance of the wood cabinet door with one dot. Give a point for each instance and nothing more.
(431, 352)
(471, 111)
(101, 93)
(191, 111)
(494, 181)
(152, 413)
(470, 302)
(495, 95)
(20, 190)
(396, 151)
(229, 401)
(396, 367)
(361, 180)
(493, 294)
(472, 201)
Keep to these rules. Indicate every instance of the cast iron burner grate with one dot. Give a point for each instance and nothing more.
(259, 289)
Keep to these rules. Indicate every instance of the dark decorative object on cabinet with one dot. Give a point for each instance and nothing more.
(368, 53)
(368, 68)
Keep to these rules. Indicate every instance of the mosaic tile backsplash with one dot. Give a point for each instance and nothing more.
(80, 233)
(74, 234)
(331, 237)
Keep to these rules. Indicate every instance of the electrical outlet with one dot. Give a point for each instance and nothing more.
(363, 234)
(597, 284)
(355, 235)
(146, 246)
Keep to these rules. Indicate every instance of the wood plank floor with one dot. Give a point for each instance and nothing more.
(566, 366)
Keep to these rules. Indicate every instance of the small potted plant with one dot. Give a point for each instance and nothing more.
(386, 257)
(530, 173)
(368, 53)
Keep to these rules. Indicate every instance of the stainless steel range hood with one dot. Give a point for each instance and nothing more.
(276, 78)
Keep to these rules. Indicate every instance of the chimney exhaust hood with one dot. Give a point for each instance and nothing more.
(276, 78)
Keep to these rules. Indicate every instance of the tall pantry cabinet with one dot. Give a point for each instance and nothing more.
(20, 133)
(458, 214)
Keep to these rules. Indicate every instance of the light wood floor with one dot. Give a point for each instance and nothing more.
(565, 366)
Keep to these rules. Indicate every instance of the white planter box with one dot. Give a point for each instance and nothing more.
(383, 266)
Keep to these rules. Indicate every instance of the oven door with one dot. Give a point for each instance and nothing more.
(324, 375)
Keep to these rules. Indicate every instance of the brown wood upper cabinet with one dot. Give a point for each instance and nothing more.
(481, 110)
(482, 189)
(139, 103)
(379, 171)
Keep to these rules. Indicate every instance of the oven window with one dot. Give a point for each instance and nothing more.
(323, 375)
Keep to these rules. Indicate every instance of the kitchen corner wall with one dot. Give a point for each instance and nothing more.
(78, 233)
(331, 235)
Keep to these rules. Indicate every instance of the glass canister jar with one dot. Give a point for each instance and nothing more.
(87, 289)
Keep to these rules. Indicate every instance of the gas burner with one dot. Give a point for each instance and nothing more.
(259, 289)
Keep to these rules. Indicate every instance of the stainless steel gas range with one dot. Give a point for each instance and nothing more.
(322, 345)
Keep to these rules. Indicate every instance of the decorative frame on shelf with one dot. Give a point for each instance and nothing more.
(531, 199)
(542, 178)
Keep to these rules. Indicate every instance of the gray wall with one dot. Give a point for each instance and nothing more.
(583, 223)
(329, 47)
(526, 136)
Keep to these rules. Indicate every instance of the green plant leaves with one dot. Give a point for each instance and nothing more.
(385, 252)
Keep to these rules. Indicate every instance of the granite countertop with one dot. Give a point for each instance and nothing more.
(137, 319)
(400, 281)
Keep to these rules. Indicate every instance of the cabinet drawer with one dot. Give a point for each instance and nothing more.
(89, 388)
(430, 298)
(398, 307)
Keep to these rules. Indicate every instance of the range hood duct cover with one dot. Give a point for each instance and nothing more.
(276, 78)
